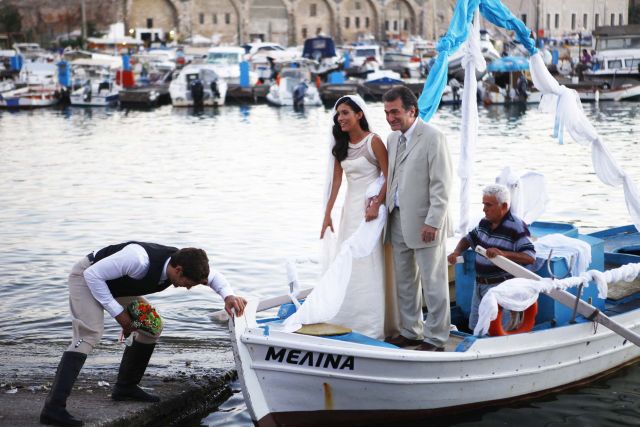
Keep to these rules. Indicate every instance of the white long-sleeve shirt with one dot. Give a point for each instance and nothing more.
(133, 261)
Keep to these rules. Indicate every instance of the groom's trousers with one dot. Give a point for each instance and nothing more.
(421, 272)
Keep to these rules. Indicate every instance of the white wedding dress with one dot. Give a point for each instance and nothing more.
(363, 308)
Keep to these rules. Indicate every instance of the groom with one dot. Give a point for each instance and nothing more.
(418, 189)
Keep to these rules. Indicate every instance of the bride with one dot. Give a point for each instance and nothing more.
(362, 157)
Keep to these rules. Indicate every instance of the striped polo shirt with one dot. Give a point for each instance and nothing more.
(511, 235)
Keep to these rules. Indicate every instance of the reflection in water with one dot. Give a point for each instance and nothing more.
(244, 183)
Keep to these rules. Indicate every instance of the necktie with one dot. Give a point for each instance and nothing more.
(402, 146)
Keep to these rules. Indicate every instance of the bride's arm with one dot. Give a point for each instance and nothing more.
(380, 151)
(335, 187)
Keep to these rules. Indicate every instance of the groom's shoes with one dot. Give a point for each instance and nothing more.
(402, 342)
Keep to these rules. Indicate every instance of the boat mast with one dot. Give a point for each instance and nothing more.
(83, 13)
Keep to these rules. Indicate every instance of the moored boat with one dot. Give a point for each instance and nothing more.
(298, 379)
(198, 85)
(293, 87)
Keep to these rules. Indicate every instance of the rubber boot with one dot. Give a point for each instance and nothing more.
(134, 362)
(55, 406)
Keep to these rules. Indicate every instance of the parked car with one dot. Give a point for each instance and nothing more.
(403, 63)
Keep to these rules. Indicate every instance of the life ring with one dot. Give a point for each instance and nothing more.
(496, 329)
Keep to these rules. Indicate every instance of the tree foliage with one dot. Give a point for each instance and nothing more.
(10, 20)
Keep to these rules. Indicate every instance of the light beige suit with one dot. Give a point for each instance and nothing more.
(424, 188)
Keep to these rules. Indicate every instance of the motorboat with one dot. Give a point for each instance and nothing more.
(617, 60)
(363, 59)
(198, 85)
(303, 378)
(506, 83)
(293, 87)
(36, 86)
(226, 61)
(322, 51)
(94, 83)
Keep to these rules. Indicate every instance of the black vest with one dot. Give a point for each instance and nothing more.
(126, 286)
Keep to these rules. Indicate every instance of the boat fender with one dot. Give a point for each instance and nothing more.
(496, 329)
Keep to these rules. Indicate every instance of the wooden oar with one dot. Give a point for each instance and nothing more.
(263, 305)
(563, 297)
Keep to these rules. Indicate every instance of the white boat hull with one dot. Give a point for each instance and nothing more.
(619, 94)
(95, 101)
(286, 375)
(281, 94)
(29, 97)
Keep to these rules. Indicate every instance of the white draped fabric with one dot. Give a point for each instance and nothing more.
(576, 252)
(328, 295)
(528, 192)
(472, 61)
(569, 116)
(518, 294)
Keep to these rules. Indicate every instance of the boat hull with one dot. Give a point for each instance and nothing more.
(288, 375)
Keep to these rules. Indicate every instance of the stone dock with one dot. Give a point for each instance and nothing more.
(191, 377)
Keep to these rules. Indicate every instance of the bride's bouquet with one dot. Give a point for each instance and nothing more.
(145, 318)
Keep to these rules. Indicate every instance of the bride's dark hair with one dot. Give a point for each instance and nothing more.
(342, 138)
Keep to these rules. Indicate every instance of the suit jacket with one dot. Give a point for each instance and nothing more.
(424, 186)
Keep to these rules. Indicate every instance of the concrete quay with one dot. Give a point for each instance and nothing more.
(191, 377)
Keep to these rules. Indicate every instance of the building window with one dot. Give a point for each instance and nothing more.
(406, 24)
(227, 18)
(304, 33)
(149, 22)
(358, 6)
(523, 18)
(584, 21)
(620, 20)
(597, 20)
(201, 18)
(313, 9)
(548, 21)
(613, 19)
(346, 22)
(357, 19)
(395, 25)
(386, 25)
(366, 22)
(215, 18)
(573, 21)
(557, 20)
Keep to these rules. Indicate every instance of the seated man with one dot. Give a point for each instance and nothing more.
(500, 233)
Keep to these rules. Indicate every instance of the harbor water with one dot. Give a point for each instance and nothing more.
(245, 183)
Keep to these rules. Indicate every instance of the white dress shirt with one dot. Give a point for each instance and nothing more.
(133, 261)
(408, 134)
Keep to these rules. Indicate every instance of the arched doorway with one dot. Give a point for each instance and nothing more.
(399, 20)
(313, 17)
(268, 21)
(152, 14)
(358, 20)
(216, 19)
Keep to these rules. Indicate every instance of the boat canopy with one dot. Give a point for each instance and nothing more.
(508, 64)
(318, 48)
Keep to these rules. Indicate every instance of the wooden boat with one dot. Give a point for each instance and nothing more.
(351, 379)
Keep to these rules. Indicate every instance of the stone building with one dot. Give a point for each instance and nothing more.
(558, 18)
(290, 22)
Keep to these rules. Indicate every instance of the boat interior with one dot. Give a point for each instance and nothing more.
(610, 248)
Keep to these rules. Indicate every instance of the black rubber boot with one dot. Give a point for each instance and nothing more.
(134, 362)
(55, 406)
